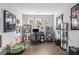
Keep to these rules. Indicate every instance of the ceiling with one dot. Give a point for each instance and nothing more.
(38, 8)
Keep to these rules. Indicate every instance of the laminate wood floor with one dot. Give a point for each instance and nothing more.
(48, 48)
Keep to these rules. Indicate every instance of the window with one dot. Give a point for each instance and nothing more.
(31, 21)
(45, 21)
(40, 20)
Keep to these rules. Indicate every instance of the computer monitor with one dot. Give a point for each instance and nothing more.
(35, 30)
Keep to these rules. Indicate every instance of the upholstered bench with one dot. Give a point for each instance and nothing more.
(17, 48)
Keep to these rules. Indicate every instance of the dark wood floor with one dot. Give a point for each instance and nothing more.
(48, 48)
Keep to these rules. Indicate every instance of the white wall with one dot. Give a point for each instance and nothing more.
(73, 34)
(8, 36)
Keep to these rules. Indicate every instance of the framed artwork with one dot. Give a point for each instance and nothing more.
(75, 17)
(0, 40)
(59, 20)
(9, 21)
(31, 21)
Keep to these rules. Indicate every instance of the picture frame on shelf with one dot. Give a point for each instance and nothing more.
(27, 28)
(59, 20)
(18, 21)
(75, 17)
(59, 34)
(9, 21)
(18, 29)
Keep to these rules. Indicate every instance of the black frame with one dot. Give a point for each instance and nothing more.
(0, 41)
(75, 8)
(59, 17)
(9, 27)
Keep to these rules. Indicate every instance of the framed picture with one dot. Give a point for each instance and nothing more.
(59, 20)
(0, 40)
(75, 17)
(9, 21)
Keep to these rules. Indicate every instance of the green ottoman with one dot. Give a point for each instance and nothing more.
(17, 48)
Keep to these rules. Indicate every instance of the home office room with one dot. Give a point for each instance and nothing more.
(39, 28)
